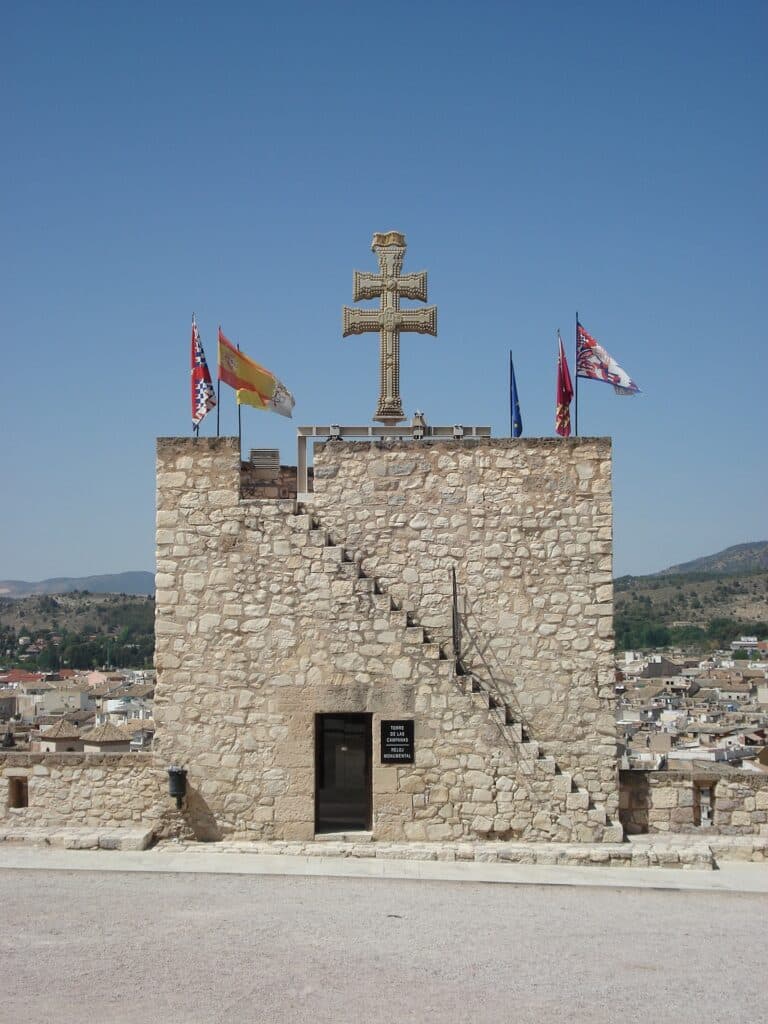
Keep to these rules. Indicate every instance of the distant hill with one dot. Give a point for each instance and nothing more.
(111, 583)
(740, 558)
(698, 610)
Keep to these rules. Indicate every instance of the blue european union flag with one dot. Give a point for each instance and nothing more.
(515, 416)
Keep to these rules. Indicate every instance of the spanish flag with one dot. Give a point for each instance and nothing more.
(254, 385)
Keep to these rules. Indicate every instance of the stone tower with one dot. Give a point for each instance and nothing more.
(300, 647)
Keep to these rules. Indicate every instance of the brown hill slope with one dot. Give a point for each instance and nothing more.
(77, 612)
(701, 611)
(739, 558)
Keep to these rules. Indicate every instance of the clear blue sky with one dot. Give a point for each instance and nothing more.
(235, 160)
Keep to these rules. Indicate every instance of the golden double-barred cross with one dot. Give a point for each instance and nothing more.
(389, 320)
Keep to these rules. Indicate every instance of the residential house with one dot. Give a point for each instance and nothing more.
(106, 739)
(62, 737)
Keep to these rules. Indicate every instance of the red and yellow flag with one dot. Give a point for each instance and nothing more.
(254, 385)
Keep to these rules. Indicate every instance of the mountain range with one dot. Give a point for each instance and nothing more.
(739, 558)
(109, 583)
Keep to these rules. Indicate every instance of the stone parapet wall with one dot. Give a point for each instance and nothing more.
(669, 802)
(741, 806)
(99, 790)
(260, 483)
(264, 621)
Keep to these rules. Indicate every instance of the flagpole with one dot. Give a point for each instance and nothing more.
(218, 382)
(239, 424)
(576, 383)
(510, 392)
(195, 426)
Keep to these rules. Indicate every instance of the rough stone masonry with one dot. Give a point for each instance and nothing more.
(271, 613)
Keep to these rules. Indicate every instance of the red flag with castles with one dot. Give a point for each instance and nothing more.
(564, 393)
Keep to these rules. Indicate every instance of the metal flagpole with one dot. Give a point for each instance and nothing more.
(576, 383)
(218, 381)
(195, 426)
(510, 393)
(239, 424)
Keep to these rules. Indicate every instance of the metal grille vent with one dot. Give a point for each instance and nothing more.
(266, 458)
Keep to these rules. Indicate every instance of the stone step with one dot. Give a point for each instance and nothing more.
(500, 717)
(301, 522)
(82, 837)
(597, 815)
(319, 538)
(614, 833)
(514, 729)
(562, 784)
(382, 602)
(531, 749)
(365, 585)
(548, 765)
(578, 801)
(333, 555)
(344, 837)
(414, 635)
(400, 618)
(480, 700)
(350, 569)
(432, 651)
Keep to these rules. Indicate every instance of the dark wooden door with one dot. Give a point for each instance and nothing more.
(342, 773)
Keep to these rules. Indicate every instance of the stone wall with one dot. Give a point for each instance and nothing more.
(266, 618)
(528, 527)
(676, 801)
(85, 789)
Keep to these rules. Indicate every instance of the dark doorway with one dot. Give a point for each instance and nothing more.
(18, 792)
(342, 773)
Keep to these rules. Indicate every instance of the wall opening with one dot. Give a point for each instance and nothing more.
(703, 805)
(18, 792)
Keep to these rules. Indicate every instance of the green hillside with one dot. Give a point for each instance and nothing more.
(701, 610)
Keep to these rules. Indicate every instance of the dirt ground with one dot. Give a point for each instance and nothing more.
(181, 949)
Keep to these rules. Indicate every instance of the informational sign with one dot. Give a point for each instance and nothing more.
(397, 742)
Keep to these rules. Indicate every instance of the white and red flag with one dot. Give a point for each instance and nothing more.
(203, 397)
(594, 362)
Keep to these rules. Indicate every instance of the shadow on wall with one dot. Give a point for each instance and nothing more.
(199, 818)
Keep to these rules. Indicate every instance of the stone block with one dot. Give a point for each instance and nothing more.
(664, 798)
(577, 801)
(741, 818)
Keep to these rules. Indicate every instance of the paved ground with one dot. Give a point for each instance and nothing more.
(145, 947)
